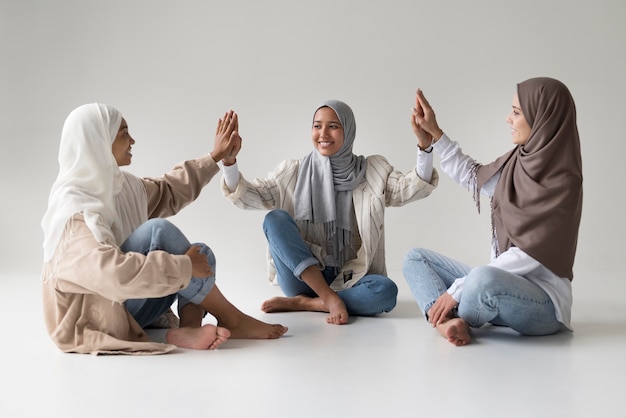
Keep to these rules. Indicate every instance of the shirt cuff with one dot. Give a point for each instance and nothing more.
(231, 176)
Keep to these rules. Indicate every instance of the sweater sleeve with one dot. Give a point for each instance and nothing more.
(275, 191)
(399, 188)
(458, 166)
(85, 266)
(168, 194)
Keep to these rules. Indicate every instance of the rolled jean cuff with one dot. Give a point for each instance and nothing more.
(303, 265)
(197, 290)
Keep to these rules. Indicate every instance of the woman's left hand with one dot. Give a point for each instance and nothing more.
(440, 311)
(226, 136)
(424, 139)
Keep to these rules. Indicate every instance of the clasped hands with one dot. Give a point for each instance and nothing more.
(227, 140)
(424, 121)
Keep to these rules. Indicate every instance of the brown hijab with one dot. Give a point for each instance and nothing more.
(537, 202)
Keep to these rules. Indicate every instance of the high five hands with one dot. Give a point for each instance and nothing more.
(424, 121)
(227, 140)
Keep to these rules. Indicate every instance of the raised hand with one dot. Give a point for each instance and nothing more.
(231, 158)
(226, 136)
(424, 139)
(424, 116)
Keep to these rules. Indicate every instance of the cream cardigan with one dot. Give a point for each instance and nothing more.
(383, 186)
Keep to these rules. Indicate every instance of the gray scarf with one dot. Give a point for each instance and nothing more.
(323, 194)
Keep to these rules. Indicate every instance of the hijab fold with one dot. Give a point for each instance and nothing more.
(88, 179)
(323, 193)
(537, 203)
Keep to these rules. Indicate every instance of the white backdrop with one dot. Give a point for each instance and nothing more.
(174, 67)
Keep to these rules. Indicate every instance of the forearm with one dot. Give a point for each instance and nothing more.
(86, 266)
(168, 194)
(424, 164)
(231, 176)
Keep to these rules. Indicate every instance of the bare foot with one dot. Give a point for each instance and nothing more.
(456, 330)
(338, 314)
(246, 327)
(207, 337)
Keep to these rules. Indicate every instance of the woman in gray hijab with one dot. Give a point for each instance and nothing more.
(325, 226)
(536, 205)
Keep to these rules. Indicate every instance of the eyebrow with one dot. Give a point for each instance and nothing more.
(330, 121)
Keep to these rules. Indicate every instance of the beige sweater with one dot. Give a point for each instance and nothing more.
(383, 186)
(85, 283)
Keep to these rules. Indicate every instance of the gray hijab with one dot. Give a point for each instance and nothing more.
(323, 194)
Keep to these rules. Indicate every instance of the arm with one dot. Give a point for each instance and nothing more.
(272, 192)
(424, 166)
(168, 194)
(86, 266)
(398, 188)
(173, 191)
(453, 162)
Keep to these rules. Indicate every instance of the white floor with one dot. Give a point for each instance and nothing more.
(391, 366)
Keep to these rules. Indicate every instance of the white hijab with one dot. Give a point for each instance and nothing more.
(88, 178)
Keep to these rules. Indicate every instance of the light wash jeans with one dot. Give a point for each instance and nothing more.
(372, 295)
(160, 234)
(490, 295)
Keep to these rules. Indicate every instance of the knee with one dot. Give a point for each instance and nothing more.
(166, 236)
(387, 291)
(276, 217)
(481, 280)
(162, 227)
(159, 223)
(382, 285)
(415, 255)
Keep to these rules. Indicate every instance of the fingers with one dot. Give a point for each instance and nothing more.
(228, 123)
(421, 99)
(200, 266)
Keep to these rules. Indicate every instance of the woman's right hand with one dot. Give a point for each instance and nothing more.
(231, 158)
(425, 116)
(199, 263)
(226, 136)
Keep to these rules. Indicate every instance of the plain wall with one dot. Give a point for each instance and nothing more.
(173, 68)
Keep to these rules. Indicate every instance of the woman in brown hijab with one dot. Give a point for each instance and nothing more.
(536, 203)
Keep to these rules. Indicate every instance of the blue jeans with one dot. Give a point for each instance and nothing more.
(160, 234)
(490, 295)
(371, 295)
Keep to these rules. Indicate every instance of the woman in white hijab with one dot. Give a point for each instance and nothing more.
(112, 266)
(325, 228)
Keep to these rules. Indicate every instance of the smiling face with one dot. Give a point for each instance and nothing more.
(520, 129)
(327, 132)
(122, 145)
